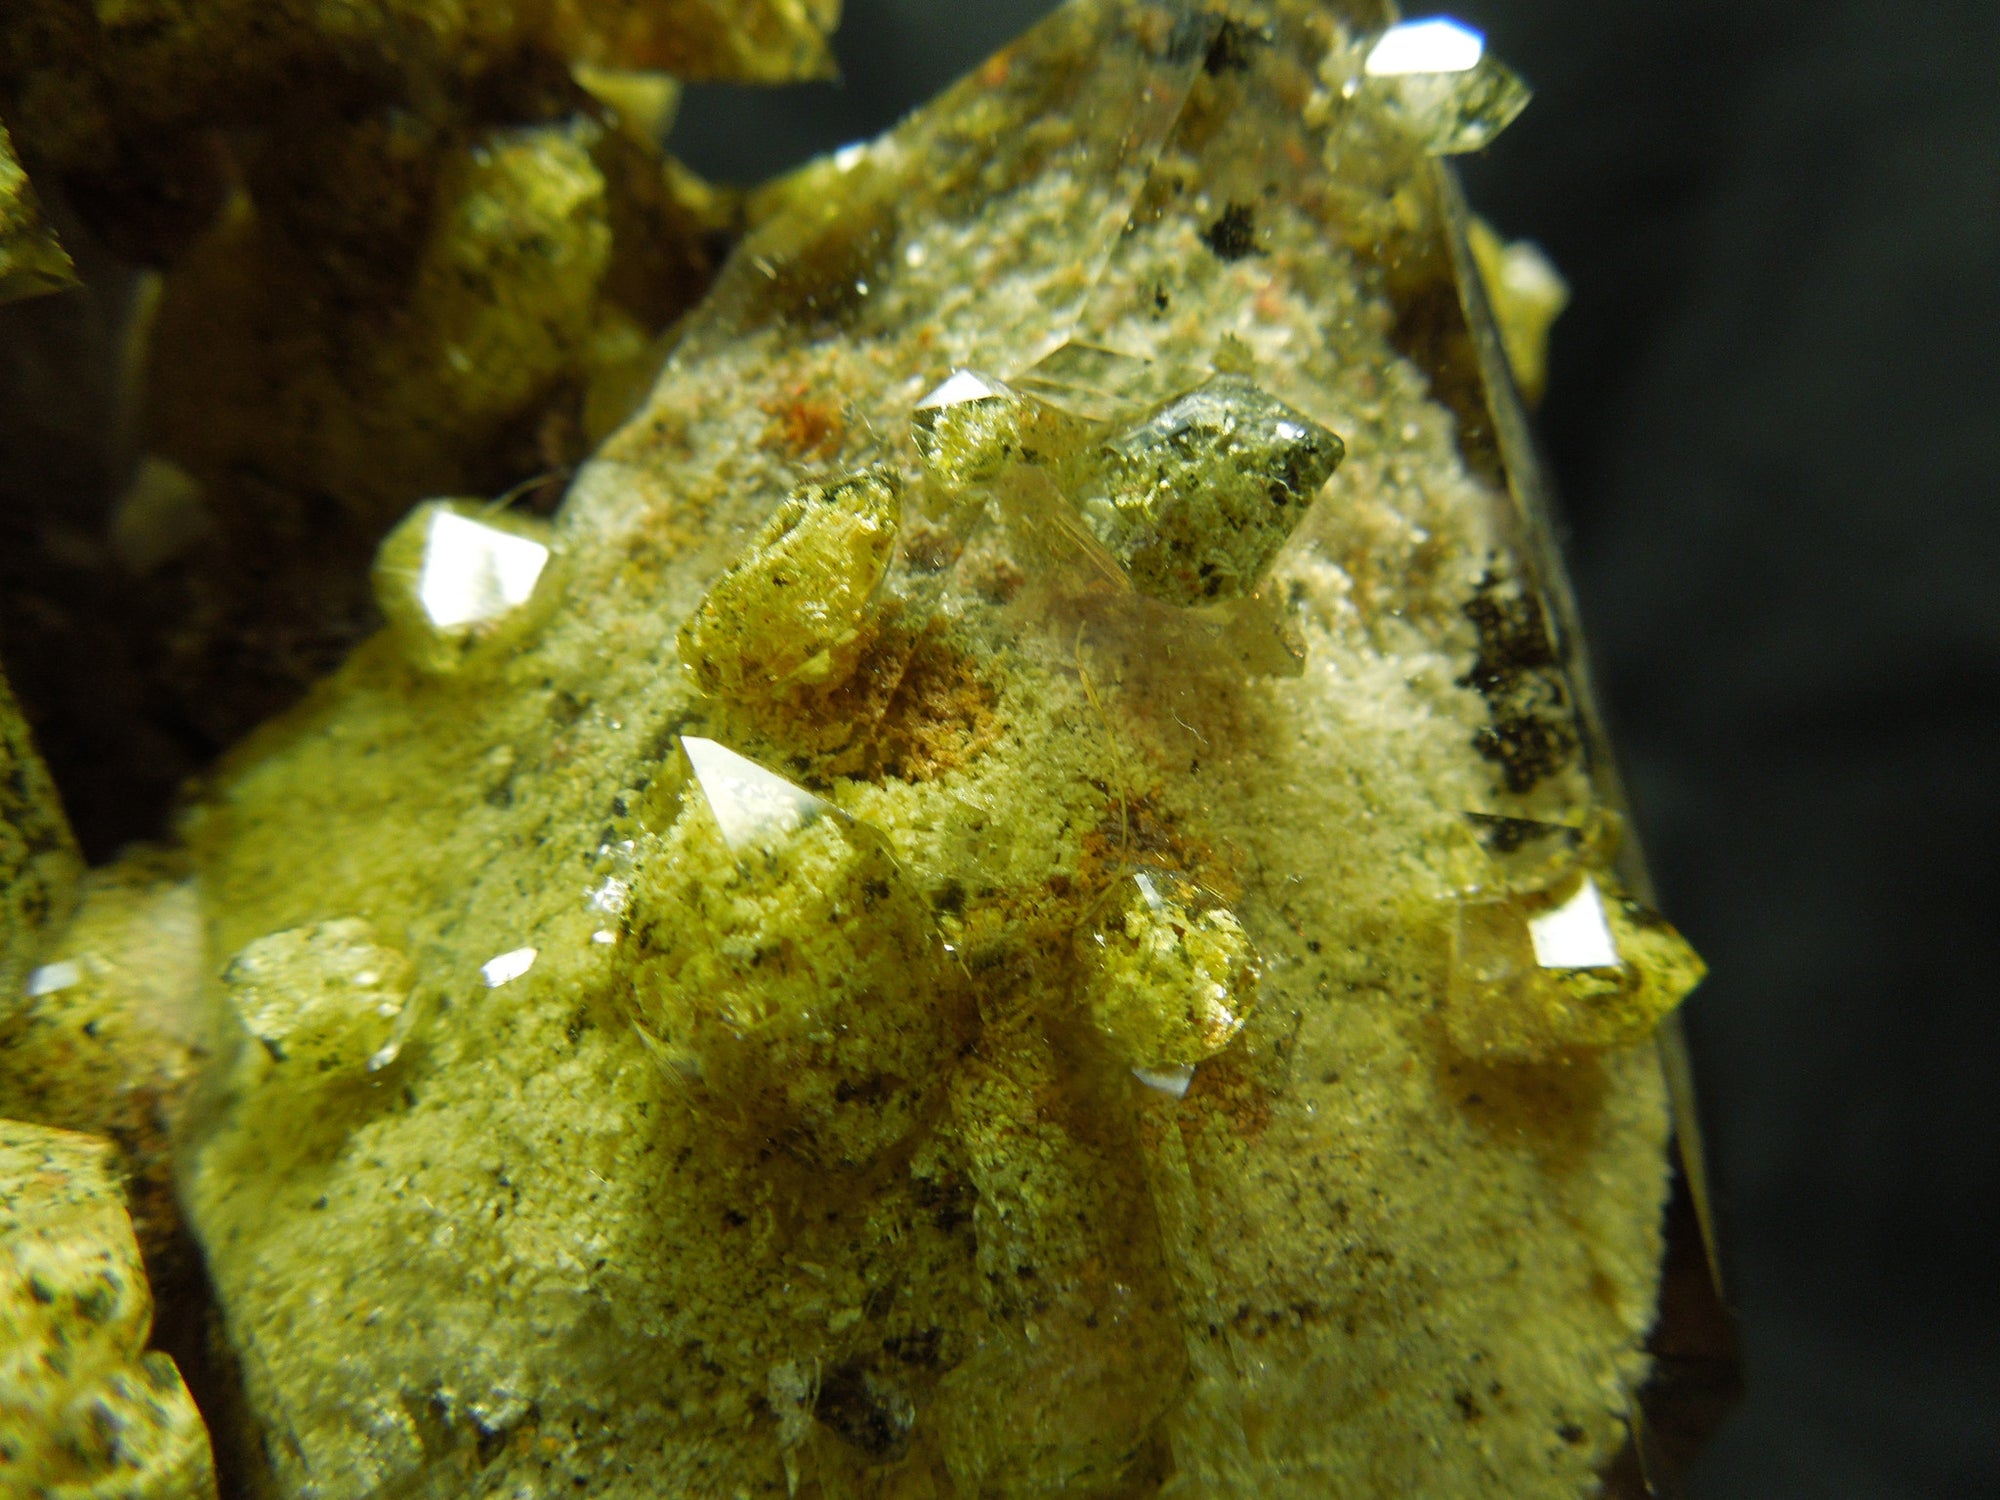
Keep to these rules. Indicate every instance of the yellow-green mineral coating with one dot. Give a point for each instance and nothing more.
(1172, 975)
(103, 1038)
(799, 990)
(85, 1410)
(794, 611)
(39, 863)
(773, 1131)
(31, 260)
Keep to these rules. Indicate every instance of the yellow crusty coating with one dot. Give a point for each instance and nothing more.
(794, 611)
(84, 1409)
(108, 1041)
(801, 990)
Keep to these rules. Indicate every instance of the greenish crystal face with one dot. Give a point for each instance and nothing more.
(1195, 500)
(1014, 902)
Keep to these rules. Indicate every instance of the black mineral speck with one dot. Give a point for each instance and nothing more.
(1531, 733)
(1234, 234)
(1230, 51)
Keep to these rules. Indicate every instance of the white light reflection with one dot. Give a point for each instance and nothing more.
(474, 572)
(507, 967)
(1576, 934)
(1436, 45)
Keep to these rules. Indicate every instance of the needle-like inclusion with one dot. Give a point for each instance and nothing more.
(1006, 1023)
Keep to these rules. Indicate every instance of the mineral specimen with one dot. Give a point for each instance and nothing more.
(84, 1408)
(1010, 923)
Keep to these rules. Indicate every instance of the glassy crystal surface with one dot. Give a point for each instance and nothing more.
(1041, 912)
(754, 808)
(1433, 82)
(1196, 499)
(457, 582)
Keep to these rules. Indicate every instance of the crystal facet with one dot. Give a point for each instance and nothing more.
(460, 584)
(1173, 977)
(1196, 499)
(1433, 82)
(755, 809)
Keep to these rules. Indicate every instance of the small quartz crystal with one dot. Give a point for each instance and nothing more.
(1172, 975)
(1434, 83)
(793, 612)
(1196, 499)
(459, 582)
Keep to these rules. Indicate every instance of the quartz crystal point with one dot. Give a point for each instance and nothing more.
(1433, 82)
(458, 584)
(990, 1017)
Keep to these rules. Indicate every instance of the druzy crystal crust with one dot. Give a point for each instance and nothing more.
(1019, 898)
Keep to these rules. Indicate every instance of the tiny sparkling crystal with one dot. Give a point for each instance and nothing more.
(1434, 83)
(506, 967)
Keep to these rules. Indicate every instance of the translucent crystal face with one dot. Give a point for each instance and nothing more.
(1433, 83)
(1195, 500)
(1172, 975)
(793, 612)
(755, 809)
(473, 573)
(460, 584)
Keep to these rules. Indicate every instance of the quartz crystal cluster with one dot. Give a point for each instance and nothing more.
(1019, 898)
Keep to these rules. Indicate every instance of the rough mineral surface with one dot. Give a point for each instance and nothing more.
(84, 1409)
(100, 1037)
(760, 1114)
(38, 859)
(392, 250)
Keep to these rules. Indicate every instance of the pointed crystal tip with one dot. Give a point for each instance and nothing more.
(753, 807)
(473, 572)
(961, 386)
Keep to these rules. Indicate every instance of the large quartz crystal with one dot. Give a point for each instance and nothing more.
(1021, 899)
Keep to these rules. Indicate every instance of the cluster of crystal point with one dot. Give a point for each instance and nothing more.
(942, 952)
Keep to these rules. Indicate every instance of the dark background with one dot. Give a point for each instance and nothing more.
(1775, 421)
